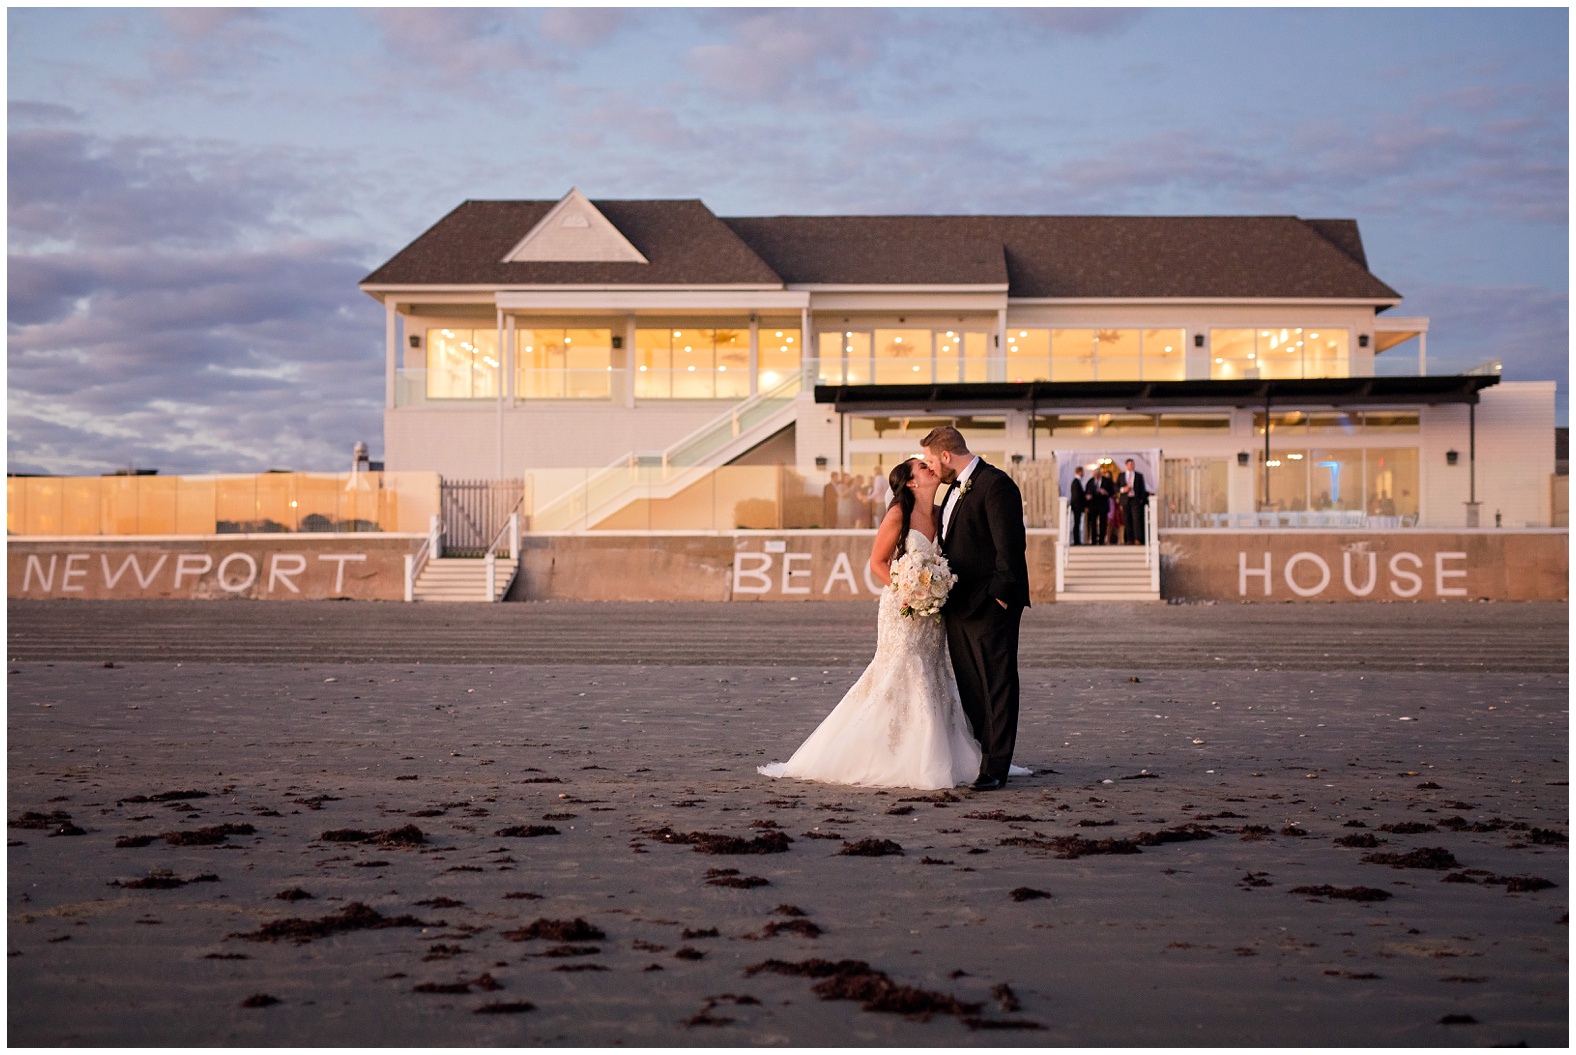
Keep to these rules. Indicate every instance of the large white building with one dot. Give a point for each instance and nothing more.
(525, 337)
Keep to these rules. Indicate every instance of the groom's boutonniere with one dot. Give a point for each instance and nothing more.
(963, 488)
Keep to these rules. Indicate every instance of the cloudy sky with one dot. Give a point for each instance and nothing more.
(195, 193)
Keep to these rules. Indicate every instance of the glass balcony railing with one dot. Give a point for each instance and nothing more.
(998, 369)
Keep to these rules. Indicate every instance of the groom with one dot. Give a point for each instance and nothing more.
(983, 538)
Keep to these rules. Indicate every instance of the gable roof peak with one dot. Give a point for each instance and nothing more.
(574, 232)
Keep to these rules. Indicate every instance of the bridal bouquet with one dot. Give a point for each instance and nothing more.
(921, 580)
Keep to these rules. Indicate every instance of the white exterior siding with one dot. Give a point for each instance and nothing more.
(1515, 457)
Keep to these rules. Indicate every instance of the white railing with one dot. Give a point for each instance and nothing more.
(415, 562)
(1151, 551)
(1064, 522)
(998, 369)
(511, 530)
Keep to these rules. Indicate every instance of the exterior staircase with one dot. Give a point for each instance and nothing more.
(664, 473)
(463, 579)
(1107, 573)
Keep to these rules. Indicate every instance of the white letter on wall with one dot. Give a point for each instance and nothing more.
(251, 572)
(844, 570)
(871, 582)
(760, 581)
(198, 564)
(34, 564)
(1440, 575)
(1324, 573)
(1243, 571)
(1373, 573)
(278, 574)
(790, 573)
(339, 579)
(1400, 573)
(69, 572)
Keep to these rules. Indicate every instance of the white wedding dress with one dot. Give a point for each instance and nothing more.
(902, 724)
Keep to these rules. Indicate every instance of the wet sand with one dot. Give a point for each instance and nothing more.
(1196, 938)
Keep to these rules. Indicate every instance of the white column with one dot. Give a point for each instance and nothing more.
(807, 348)
(755, 352)
(1422, 358)
(498, 465)
(390, 349)
(998, 371)
(630, 367)
(506, 359)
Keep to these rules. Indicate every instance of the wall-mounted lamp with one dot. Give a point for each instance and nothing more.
(1017, 459)
(820, 462)
(618, 342)
(1362, 340)
(1198, 340)
(1451, 457)
(415, 340)
(1242, 457)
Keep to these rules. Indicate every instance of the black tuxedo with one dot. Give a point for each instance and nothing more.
(985, 544)
(1077, 502)
(1098, 494)
(1134, 505)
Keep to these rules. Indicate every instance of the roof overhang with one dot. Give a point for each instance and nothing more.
(1390, 332)
(1377, 303)
(1141, 395)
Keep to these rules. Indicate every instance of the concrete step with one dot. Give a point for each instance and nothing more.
(462, 579)
(1085, 598)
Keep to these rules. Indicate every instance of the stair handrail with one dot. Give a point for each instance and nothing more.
(1064, 525)
(1152, 552)
(432, 546)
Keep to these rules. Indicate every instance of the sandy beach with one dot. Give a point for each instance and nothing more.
(1206, 855)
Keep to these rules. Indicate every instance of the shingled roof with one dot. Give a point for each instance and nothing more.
(1269, 257)
(683, 240)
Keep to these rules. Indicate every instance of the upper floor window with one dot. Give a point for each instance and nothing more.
(554, 363)
(779, 350)
(691, 362)
(462, 364)
(1282, 352)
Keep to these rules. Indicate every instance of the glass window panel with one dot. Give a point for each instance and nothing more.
(156, 505)
(588, 362)
(1390, 421)
(462, 364)
(1231, 354)
(235, 503)
(194, 506)
(949, 356)
(80, 506)
(1128, 424)
(980, 429)
(976, 349)
(1333, 423)
(1391, 481)
(1335, 480)
(1288, 481)
(1028, 355)
(830, 362)
(1067, 424)
(1072, 355)
(778, 351)
(1117, 355)
(733, 363)
(653, 363)
(1279, 352)
(275, 492)
(1291, 422)
(44, 500)
(1191, 424)
(902, 357)
(117, 504)
(856, 358)
(484, 364)
(1326, 353)
(694, 361)
(1165, 355)
(1193, 491)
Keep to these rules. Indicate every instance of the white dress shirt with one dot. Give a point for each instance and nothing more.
(952, 496)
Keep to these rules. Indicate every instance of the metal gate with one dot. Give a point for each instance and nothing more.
(474, 511)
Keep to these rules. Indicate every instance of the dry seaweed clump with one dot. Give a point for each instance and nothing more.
(354, 916)
(1435, 857)
(406, 835)
(1069, 847)
(526, 831)
(772, 842)
(561, 930)
(1355, 893)
(871, 848)
(211, 836)
(160, 879)
(875, 991)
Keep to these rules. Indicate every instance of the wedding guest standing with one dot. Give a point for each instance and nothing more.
(1097, 514)
(1077, 503)
(829, 501)
(1135, 504)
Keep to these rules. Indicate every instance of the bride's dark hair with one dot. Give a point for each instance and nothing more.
(902, 497)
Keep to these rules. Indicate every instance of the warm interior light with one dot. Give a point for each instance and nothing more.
(1023, 333)
(1220, 360)
(769, 378)
(642, 369)
(489, 360)
(1314, 336)
(1295, 457)
(1264, 333)
(448, 333)
(568, 340)
(678, 333)
(687, 348)
(1252, 356)
(779, 333)
(692, 369)
(916, 369)
(1273, 463)
(789, 340)
(1168, 347)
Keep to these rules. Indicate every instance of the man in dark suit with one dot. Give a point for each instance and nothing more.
(983, 538)
(1077, 502)
(1097, 500)
(1135, 502)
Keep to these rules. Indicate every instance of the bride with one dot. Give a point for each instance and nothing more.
(902, 724)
